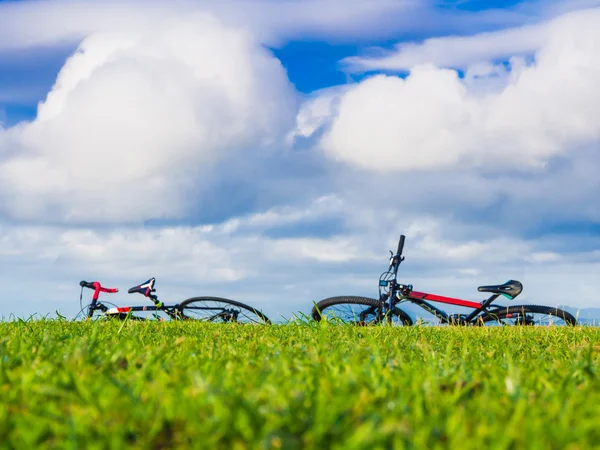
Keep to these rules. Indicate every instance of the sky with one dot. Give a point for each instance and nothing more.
(272, 152)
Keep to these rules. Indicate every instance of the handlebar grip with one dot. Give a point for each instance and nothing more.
(86, 284)
(400, 245)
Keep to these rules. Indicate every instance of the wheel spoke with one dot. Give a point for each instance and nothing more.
(212, 309)
(529, 315)
(357, 311)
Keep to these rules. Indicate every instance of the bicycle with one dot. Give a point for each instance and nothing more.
(216, 309)
(391, 294)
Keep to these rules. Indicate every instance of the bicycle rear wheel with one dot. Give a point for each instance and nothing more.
(534, 315)
(357, 311)
(220, 310)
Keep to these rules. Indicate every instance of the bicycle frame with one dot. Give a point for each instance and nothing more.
(171, 311)
(399, 293)
(418, 298)
(97, 305)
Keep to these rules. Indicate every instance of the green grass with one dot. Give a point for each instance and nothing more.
(170, 385)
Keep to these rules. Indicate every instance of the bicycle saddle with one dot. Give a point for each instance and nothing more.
(145, 288)
(511, 288)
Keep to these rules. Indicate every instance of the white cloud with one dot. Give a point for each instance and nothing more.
(315, 250)
(134, 120)
(434, 120)
(455, 51)
(544, 257)
(228, 251)
(323, 207)
(464, 51)
(36, 23)
(317, 111)
(50, 22)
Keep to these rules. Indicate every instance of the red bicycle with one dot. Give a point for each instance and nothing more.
(208, 309)
(366, 311)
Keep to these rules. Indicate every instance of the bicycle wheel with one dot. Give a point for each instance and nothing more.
(357, 311)
(97, 314)
(220, 310)
(528, 315)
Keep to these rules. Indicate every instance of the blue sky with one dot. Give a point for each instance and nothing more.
(272, 152)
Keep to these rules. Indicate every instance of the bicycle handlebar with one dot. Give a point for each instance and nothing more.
(97, 287)
(396, 259)
(400, 245)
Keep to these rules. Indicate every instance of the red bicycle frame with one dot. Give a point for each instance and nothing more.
(441, 299)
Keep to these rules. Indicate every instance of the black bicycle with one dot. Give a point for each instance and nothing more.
(366, 311)
(208, 309)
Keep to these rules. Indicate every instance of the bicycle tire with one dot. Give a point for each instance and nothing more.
(261, 318)
(521, 310)
(355, 300)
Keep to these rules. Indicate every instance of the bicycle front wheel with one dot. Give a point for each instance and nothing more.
(357, 311)
(220, 310)
(98, 314)
(535, 315)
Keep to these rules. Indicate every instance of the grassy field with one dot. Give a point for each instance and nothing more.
(169, 385)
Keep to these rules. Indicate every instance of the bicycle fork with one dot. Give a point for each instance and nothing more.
(390, 305)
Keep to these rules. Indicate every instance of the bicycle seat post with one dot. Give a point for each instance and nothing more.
(156, 301)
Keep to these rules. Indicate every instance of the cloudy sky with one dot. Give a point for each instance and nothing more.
(272, 151)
